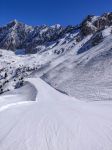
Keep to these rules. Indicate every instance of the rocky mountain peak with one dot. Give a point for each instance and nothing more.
(17, 35)
(13, 23)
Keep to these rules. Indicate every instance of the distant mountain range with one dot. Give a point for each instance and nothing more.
(71, 58)
(17, 35)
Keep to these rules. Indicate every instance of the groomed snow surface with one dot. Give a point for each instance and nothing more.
(37, 117)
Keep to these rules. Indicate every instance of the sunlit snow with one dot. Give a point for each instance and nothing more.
(54, 121)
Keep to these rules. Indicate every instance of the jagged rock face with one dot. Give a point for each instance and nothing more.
(86, 29)
(94, 23)
(87, 26)
(13, 35)
(103, 21)
(41, 35)
(17, 35)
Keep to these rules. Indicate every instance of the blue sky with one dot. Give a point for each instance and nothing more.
(37, 12)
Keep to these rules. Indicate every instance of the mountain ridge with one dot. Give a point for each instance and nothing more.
(69, 59)
(18, 35)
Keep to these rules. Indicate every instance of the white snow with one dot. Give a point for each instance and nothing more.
(37, 116)
(107, 31)
(56, 26)
(54, 121)
(94, 18)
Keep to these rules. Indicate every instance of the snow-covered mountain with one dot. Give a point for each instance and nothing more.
(72, 111)
(17, 35)
(69, 58)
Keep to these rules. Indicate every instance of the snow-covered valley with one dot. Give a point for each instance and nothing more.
(56, 86)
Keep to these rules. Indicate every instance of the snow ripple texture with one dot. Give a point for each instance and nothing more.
(50, 120)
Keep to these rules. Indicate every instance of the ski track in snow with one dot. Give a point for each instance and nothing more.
(53, 121)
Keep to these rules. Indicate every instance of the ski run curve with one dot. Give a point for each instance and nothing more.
(50, 120)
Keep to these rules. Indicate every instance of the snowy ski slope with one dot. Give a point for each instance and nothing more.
(53, 121)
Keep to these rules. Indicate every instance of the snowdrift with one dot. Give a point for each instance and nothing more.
(54, 121)
(26, 93)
